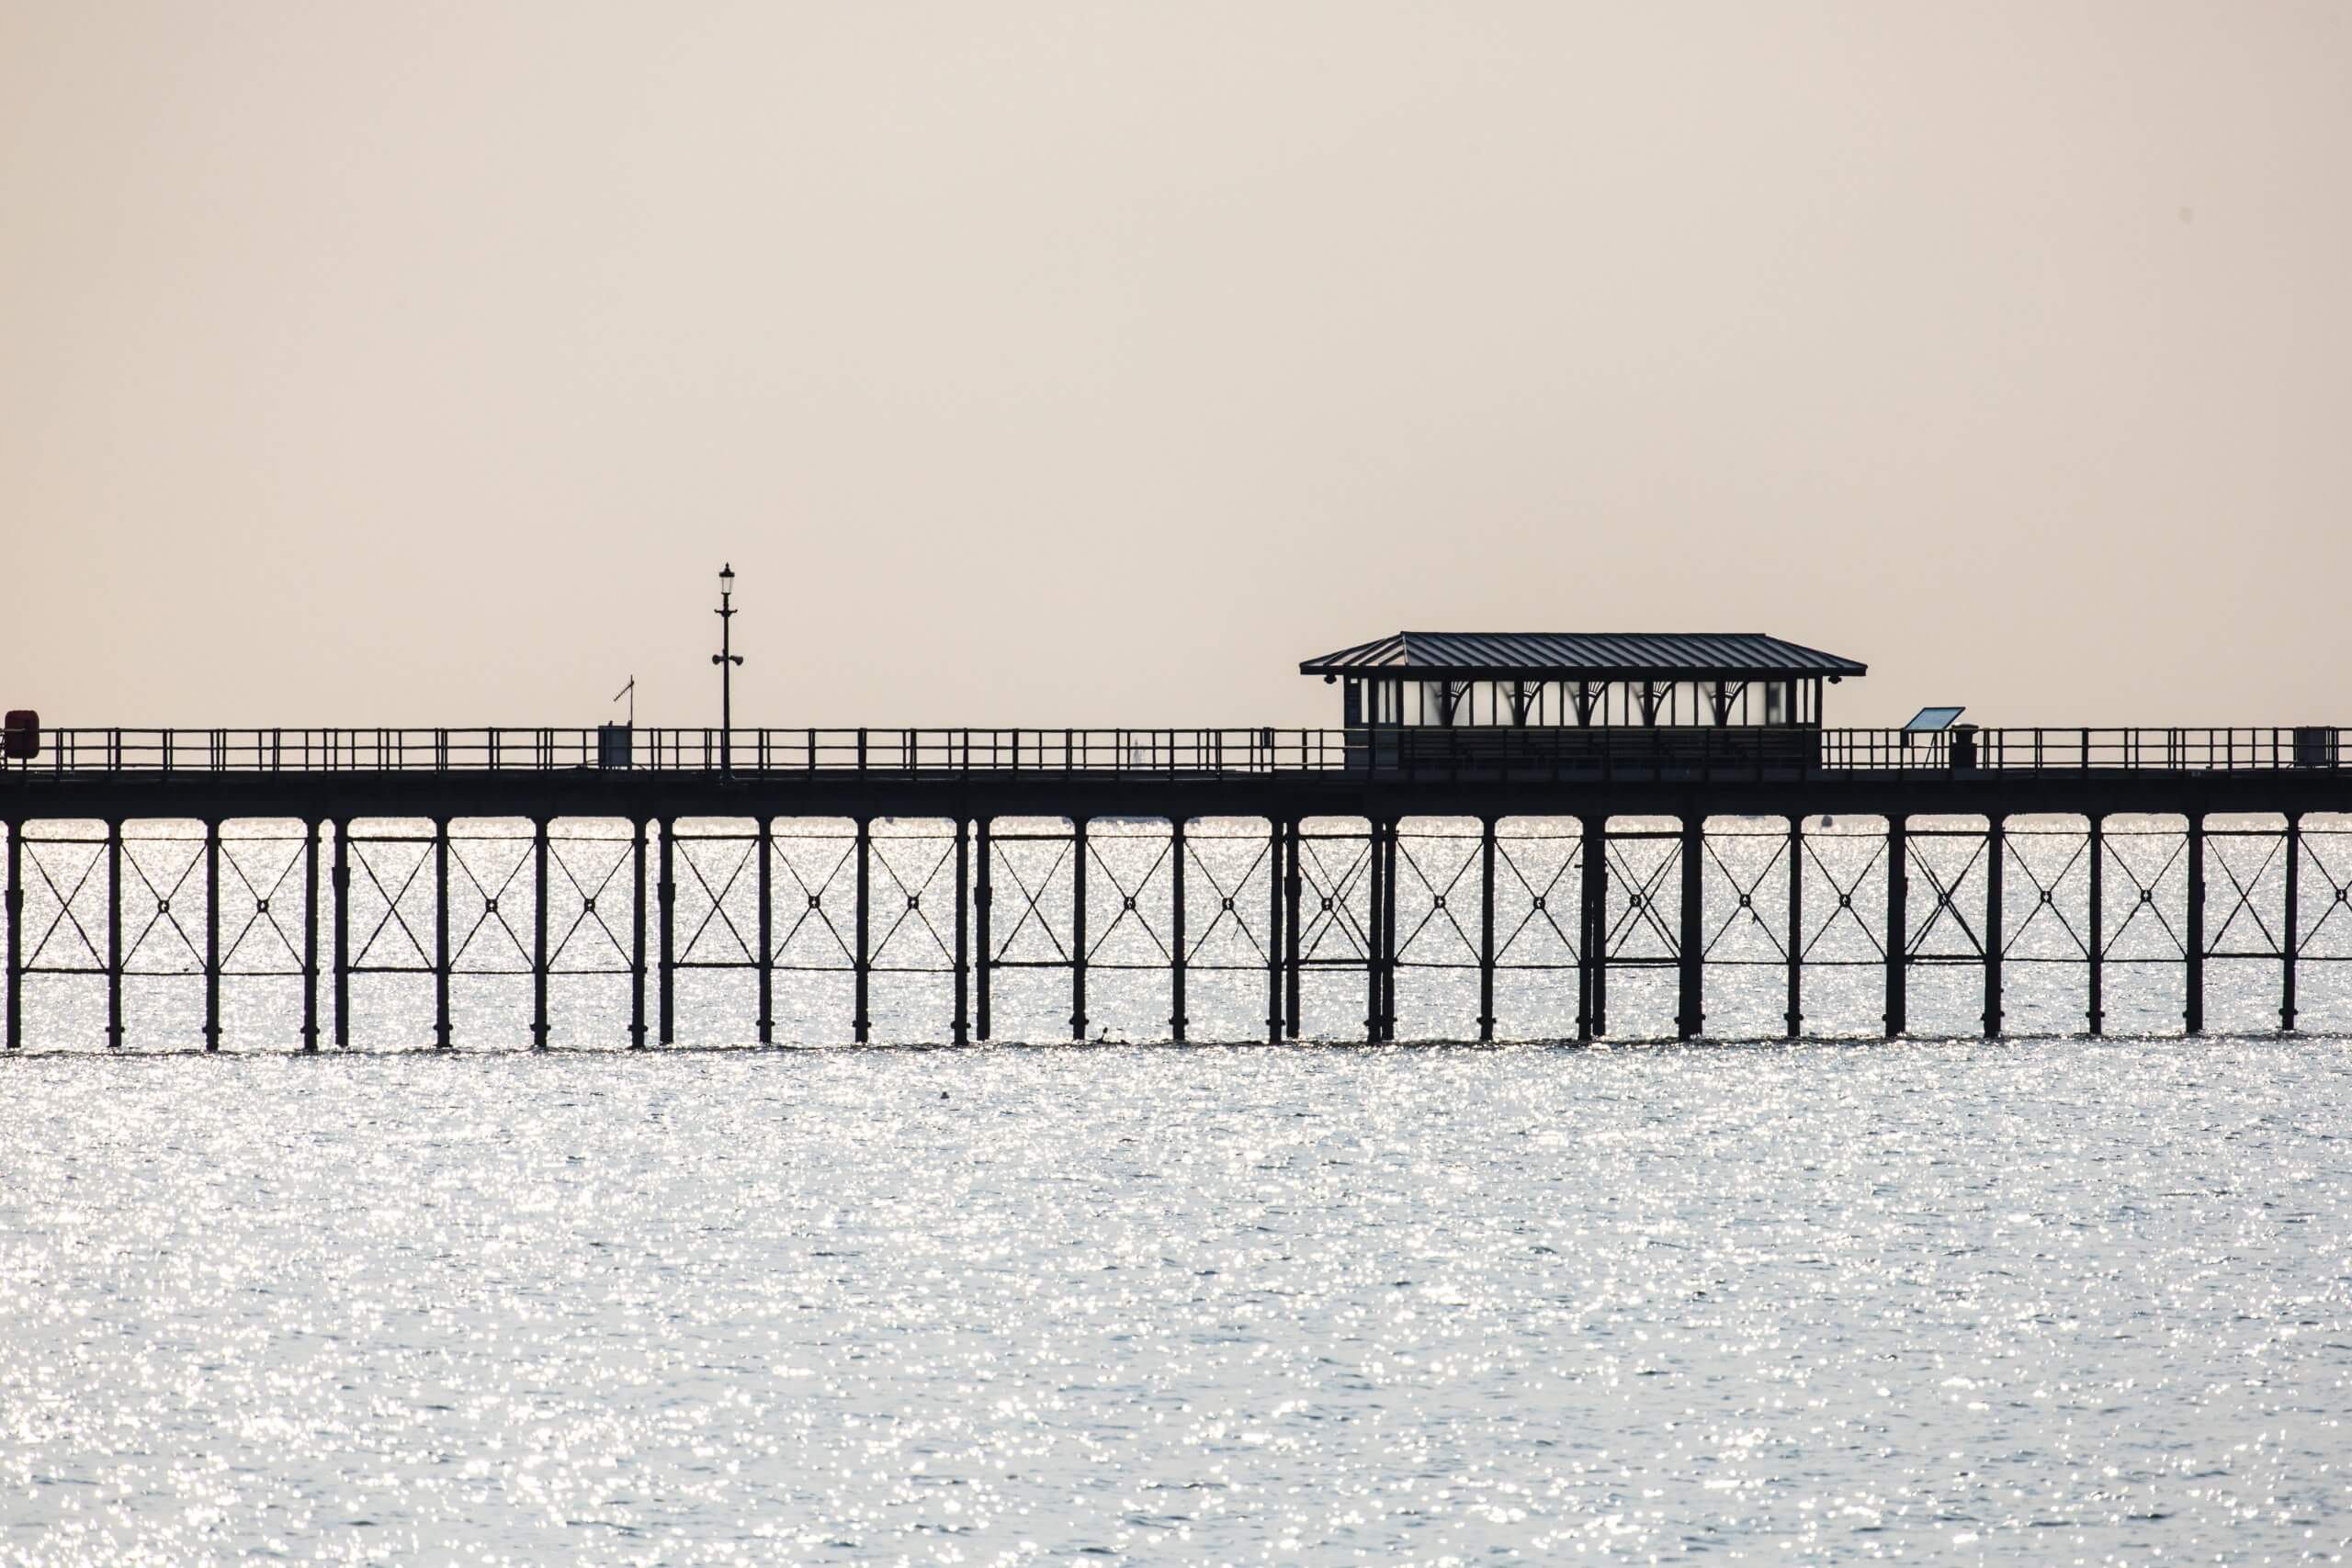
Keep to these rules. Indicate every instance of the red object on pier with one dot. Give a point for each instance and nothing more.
(23, 735)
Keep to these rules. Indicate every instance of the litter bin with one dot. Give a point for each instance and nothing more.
(1964, 746)
(2315, 745)
(612, 745)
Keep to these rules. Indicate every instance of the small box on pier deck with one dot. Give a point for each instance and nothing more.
(613, 743)
(2315, 745)
(23, 735)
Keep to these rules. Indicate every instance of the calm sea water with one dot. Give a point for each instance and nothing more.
(2035, 1301)
(2061, 1301)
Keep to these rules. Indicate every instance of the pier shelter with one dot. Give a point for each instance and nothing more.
(1418, 697)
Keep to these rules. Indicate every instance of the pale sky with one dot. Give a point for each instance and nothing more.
(413, 363)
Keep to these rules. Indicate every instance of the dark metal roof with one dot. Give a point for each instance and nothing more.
(1612, 655)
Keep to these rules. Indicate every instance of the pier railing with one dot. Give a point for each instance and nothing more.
(1172, 752)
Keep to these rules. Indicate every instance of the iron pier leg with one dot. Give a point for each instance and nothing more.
(1898, 940)
(1692, 940)
(861, 1020)
(1796, 927)
(1388, 940)
(1594, 1014)
(539, 934)
(665, 895)
(1487, 929)
(1996, 849)
(2096, 953)
(2194, 1014)
(212, 936)
(1291, 883)
(636, 941)
(441, 1035)
(310, 831)
(767, 932)
(1372, 934)
(16, 898)
(2288, 939)
(963, 1023)
(1273, 931)
(982, 926)
(1176, 930)
(114, 936)
(1077, 928)
(341, 875)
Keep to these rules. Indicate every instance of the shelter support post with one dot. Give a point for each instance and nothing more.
(1898, 939)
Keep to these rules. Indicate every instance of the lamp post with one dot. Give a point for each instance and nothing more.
(726, 659)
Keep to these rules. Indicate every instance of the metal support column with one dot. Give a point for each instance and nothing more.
(1795, 1014)
(212, 936)
(1995, 851)
(539, 934)
(637, 936)
(341, 874)
(114, 935)
(763, 847)
(16, 911)
(1077, 927)
(1486, 929)
(2288, 941)
(1592, 1013)
(982, 928)
(962, 1026)
(1388, 937)
(1273, 931)
(2095, 945)
(441, 1035)
(1690, 941)
(311, 934)
(665, 895)
(1898, 939)
(2193, 1017)
(861, 1020)
(1176, 930)
(1291, 883)
(1372, 933)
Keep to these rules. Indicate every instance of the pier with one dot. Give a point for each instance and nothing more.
(1494, 813)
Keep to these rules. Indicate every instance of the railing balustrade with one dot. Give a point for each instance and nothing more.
(1178, 753)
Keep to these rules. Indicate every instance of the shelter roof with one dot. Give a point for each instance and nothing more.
(1605, 656)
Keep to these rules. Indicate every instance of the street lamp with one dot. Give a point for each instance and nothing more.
(726, 659)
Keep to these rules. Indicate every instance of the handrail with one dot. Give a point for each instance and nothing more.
(1432, 751)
